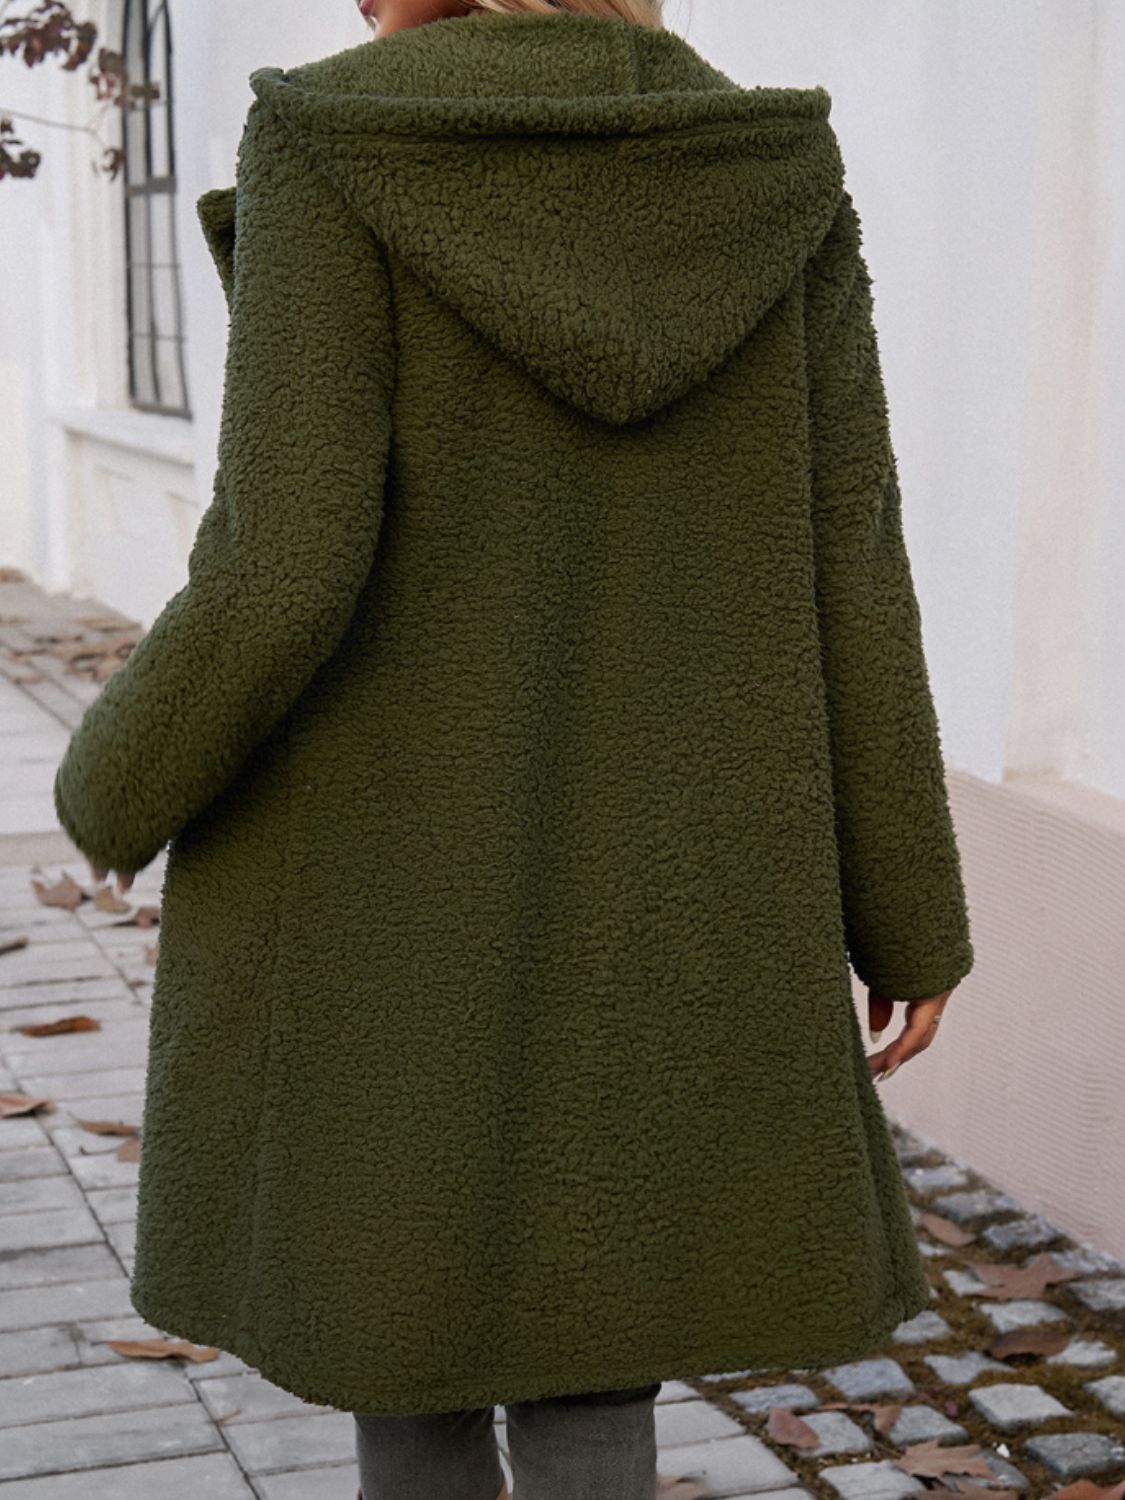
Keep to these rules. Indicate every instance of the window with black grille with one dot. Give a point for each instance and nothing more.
(155, 315)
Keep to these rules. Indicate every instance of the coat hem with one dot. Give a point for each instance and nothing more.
(400, 1398)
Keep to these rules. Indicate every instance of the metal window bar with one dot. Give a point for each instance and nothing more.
(146, 36)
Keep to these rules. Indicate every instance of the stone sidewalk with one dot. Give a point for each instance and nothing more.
(1008, 1385)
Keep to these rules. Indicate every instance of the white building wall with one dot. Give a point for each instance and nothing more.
(983, 144)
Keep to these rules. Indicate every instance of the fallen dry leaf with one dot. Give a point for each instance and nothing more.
(974, 1492)
(102, 622)
(84, 655)
(159, 1348)
(9, 945)
(81, 648)
(55, 1028)
(65, 892)
(109, 1127)
(944, 1229)
(106, 900)
(47, 634)
(12, 575)
(785, 1426)
(670, 1488)
(1035, 1341)
(226, 1416)
(151, 952)
(1004, 1281)
(129, 1150)
(75, 647)
(886, 1413)
(23, 1104)
(103, 668)
(141, 916)
(1086, 1489)
(20, 653)
(17, 672)
(933, 1460)
(886, 1417)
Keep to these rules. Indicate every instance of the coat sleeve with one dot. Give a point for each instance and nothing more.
(287, 542)
(904, 908)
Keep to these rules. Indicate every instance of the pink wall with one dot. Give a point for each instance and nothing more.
(1024, 1084)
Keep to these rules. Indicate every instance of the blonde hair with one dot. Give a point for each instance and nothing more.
(643, 12)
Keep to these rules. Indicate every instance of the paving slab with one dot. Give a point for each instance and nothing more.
(1088, 1259)
(790, 1494)
(1073, 1454)
(727, 1466)
(922, 1328)
(962, 1369)
(50, 1227)
(1008, 1404)
(113, 1205)
(1085, 1352)
(326, 1482)
(84, 1083)
(286, 1442)
(251, 1398)
(676, 1390)
(17, 1132)
(837, 1433)
(115, 1437)
(58, 1302)
(31, 1351)
(973, 1204)
(929, 1179)
(52, 1190)
(872, 1481)
(69, 992)
(1016, 1233)
(863, 1379)
(758, 1399)
(684, 1422)
(1020, 1312)
(76, 1393)
(213, 1475)
(1102, 1294)
(1110, 1391)
(1004, 1472)
(922, 1424)
(58, 1263)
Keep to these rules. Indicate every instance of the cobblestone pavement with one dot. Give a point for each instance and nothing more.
(1019, 1394)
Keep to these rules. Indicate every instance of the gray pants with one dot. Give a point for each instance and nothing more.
(600, 1445)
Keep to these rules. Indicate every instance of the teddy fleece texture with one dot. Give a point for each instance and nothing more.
(542, 728)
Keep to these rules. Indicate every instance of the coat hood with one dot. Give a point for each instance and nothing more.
(595, 198)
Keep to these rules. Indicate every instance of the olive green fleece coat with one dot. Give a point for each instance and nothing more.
(542, 727)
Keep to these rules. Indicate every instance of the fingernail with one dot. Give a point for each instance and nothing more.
(889, 1071)
(875, 1035)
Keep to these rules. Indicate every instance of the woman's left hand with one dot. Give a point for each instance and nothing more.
(124, 877)
(922, 1017)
